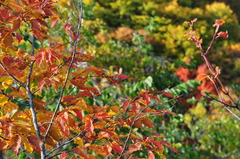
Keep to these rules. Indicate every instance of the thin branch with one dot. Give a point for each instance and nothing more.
(10, 75)
(232, 153)
(219, 87)
(3, 138)
(212, 98)
(31, 102)
(231, 112)
(66, 77)
(12, 99)
(130, 130)
(213, 39)
(23, 150)
(60, 153)
(57, 148)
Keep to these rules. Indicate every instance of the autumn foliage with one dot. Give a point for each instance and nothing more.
(35, 64)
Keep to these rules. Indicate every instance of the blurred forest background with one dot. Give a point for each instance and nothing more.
(145, 40)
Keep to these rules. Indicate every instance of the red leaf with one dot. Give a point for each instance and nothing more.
(168, 145)
(19, 37)
(35, 24)
(3, 145)
(122, 77)
(42, 22)
(223, 34)
(16, 24)
(157, 144)
(35, 142)
(68, 26)
(85, 94)
(183, 74)
(116, 147)
(8, 39)
(167, 94)
(16, 72)
(78, 113)
(39, 35)
(126, 105)
(5, 14)
(63, 155)
(69, 99)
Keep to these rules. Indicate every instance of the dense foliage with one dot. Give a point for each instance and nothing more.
(101, 78)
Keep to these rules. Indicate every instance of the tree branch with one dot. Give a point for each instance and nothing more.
(14, 78)
(23, 150)
(31, 102)
(67, 74)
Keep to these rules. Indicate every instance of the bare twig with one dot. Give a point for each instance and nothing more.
(219, 87)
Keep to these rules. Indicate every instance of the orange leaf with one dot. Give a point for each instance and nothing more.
(201, 77)
(138, 123)
(219, 22)
(151, 155)
(54, 21)
(147, 122)
(81, 150)
(134, 147)
(89, 124)
(16, 143)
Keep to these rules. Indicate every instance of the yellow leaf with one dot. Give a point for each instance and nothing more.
(83, 105)
(6, 81)
(9, 106)
(111, 113)
(79, 141)
(11, 113)
(88, 2)
(3, 100)
(115, 108)
(199, 110)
